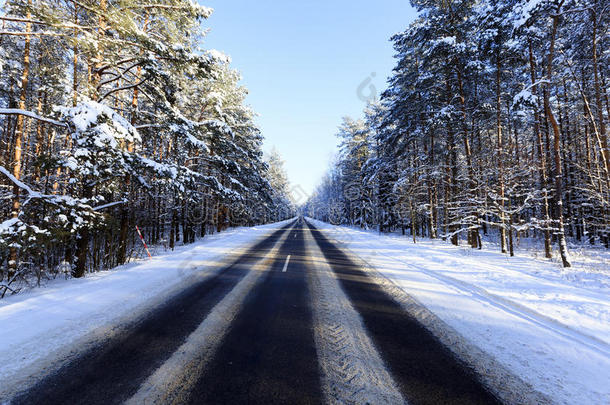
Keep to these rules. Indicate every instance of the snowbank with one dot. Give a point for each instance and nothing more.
(40, 324)
(549, 326)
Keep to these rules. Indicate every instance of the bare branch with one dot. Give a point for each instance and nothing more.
(122, 88)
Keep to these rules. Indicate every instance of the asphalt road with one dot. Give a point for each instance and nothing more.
(269, 351)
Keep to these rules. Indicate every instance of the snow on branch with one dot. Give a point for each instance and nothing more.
(17, 111)
(109, 205)
(203, 11)
(36, 34)
(53, 199)
(34, 194)
(22, 20)
(20, 184)
(66, 25)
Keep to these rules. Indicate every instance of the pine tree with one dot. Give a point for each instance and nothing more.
(493, 126)
(112, 116)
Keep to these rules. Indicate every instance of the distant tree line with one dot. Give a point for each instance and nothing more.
(495, 121)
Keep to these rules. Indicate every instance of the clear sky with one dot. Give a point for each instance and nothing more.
(303, 62)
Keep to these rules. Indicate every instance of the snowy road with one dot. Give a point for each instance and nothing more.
(292, 320)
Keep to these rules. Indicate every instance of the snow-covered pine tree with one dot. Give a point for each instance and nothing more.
(112, 116)
(494, 126)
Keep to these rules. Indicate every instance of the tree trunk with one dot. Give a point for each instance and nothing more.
(17, 153)
(432, 193)
(473, 237)
(75, 57)
(453, 175)
(542, 161)
(598, 97)
(500, 154)
(563, 247)
(82, 244)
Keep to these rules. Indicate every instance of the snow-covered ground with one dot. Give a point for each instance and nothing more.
(43, 323)
(547, 325)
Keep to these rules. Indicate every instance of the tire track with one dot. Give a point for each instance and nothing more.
(353, 372)
(507, 386)
(268, 355)
(424, 368)
(518, 310)
(173, 381)
(112, 370)
(507, 305)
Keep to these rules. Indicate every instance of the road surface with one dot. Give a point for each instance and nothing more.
(294, 320)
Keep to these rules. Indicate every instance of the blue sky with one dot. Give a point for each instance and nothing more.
(303, 62)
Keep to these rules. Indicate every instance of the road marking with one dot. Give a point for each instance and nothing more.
(286, 264)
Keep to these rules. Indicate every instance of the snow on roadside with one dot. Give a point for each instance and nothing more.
(43, 321)
(550, 329)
